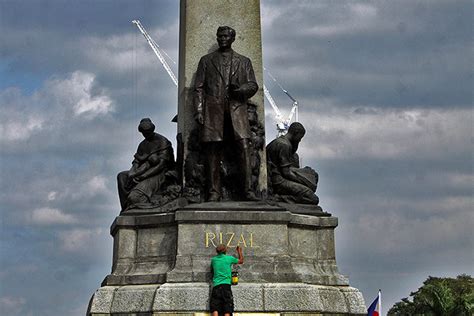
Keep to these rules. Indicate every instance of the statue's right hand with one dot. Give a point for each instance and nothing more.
(200, 118)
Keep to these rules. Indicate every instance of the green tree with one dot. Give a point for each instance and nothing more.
(439, 297)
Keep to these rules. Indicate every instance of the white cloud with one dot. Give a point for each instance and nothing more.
(79, 240)
(86, 188)
(344, 18)
(52, 195)
(59, 101)
(97, 183)
(459, 180)
(93, 106)
(363, 10)
(129, 52)
(385, 134)
(12, 305)
(119, 52)
(77, 90)
(51, 216)
(16, 130)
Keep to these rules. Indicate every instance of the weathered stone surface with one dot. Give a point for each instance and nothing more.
(289, 265)
(313, 244)
(102, 300)
(333, 300)
(232, 212)
(257, 239)
(182, 297)
(154, 242)
(248, 297)
(133, 314)
(304, 297)
(308, 209)
(180, 314)
(291, 297)
(354, 299)
(305, 314)
(133, 279)
(286, 298)
(279, 246)
(167, 208)
(234, 206)
(134, 299)
(321, 221)
(152, 220)
(142, 255)
(125, 241)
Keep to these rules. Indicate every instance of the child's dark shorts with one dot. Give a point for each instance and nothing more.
(222, 299)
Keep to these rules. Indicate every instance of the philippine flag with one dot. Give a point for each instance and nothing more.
(375, 309)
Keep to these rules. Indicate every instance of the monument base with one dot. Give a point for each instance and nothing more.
(249, 298)
(161, 261)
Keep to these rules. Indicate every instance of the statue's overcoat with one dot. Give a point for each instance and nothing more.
(212, 95)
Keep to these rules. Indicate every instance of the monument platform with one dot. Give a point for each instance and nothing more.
(161, 261)
(249, 298)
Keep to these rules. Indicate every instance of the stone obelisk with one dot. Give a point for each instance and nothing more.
(199, 21)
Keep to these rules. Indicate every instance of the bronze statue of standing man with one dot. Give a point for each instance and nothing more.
(224, 82)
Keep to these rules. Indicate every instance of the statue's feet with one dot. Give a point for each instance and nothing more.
(214, 197)
(250, 196)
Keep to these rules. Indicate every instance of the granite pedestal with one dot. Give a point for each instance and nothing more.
(161, 261)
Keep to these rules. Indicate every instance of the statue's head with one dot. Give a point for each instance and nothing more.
(225, 37)
(296, 131)
(221, 248)
(146, 127)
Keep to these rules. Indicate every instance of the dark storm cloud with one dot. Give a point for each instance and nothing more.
(60, 36)
(85, 17)
(391, 53)
(82, 17)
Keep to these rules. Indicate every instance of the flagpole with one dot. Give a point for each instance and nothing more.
(380, 302)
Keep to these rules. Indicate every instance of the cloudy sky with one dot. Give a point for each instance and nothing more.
(385, 94)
